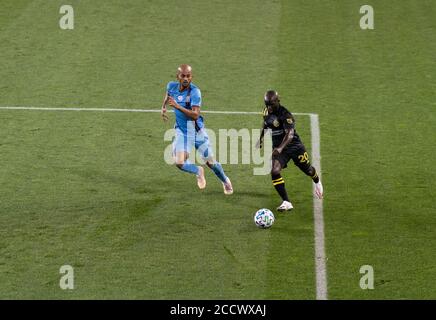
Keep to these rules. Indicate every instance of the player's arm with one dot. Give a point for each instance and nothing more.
(259, 143)
(193, 114)
(163, 111)
(289, 135)
(289, 128)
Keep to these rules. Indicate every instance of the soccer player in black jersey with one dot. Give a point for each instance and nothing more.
(287, 145)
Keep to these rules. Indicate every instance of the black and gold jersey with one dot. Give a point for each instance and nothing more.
(278, 121)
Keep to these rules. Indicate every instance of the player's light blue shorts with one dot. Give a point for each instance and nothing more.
(185, 142)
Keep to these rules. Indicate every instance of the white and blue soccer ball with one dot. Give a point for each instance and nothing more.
(264, 218)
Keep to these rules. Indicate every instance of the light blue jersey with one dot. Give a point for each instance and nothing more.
(192, 134)
(186, 99)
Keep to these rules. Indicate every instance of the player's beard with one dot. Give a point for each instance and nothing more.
(274, 108)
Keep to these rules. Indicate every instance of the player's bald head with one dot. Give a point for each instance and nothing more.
(184, 68)
(271, 98)
(184, 75)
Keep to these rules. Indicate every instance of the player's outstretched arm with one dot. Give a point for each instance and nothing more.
(163, 111)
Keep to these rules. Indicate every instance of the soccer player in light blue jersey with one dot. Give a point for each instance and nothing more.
(185, 98)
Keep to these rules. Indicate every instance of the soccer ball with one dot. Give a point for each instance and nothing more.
(264, 218)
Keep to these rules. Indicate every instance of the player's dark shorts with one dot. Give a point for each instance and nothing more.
(298, 154)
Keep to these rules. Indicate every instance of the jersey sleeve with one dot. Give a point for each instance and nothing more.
(196, 97)
(264, 116)
(169, 86)
(288, 120)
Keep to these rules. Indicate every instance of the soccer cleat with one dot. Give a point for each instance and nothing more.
(227, 186)
(319, 190)
(285, 206)
(201, 180)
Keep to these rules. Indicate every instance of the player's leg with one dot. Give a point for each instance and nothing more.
(303, 163)
(279, 183)
(203, 147)
(181, 148)
(216, 167)
(182, 162)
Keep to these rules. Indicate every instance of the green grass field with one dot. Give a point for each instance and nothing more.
(91, 189)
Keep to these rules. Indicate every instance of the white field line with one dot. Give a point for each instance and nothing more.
(127, 110)
(320, 259)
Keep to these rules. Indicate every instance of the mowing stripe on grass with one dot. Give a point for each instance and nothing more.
(320, 260)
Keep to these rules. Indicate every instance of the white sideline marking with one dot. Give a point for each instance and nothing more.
(320, 259)
(130, 110)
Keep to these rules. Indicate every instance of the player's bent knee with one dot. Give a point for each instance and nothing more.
(275, 170)
(179, 162)
(180, 165)
(180, 158)
(210, 162)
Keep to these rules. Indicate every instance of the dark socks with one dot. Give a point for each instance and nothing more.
(314, 176)
(279, 184)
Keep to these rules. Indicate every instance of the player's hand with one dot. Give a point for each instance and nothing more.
(259, 144)
(173, 103)
(277, 151)
(163, 114)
